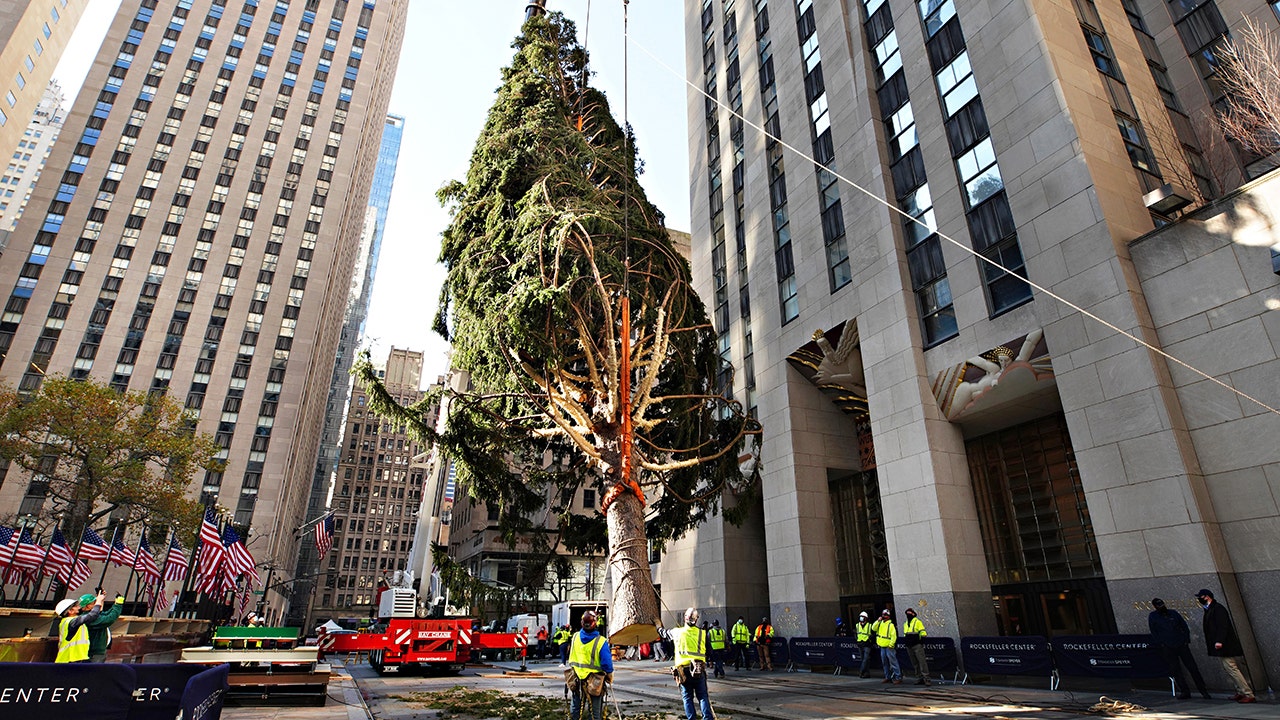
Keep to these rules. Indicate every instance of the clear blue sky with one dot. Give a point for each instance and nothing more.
(449, 69)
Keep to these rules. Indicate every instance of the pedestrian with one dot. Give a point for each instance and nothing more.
(1172, 637)
(764, 634)
(1222, 642)
(660, 653)
(886, 634)
(716, 637)
(690, 669)
(542, 641)
(590, 669)
(913, 636)
(561, 640)
(862, 633)
(100, 628)
(73, 628)
(842, 630)
(740, 634)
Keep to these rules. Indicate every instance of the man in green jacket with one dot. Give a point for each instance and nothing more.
(100, 627)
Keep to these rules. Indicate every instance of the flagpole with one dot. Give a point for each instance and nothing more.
(191, 565)
(32, 592)
(110, 549)
(133, 566)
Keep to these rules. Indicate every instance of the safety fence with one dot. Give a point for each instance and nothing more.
(1096, 656)
(112, 691)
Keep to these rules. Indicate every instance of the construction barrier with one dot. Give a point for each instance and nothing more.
(76, 691)
(1108, 656)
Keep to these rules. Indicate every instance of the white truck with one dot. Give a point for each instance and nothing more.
(569, 613)
(528, 623)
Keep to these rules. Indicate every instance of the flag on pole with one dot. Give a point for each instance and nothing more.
(143, 562)
(245, 594)
(59, 555)
(120, 555)
(324, 534)
(92, 546)
(28, 554)
(73, 578)
(175, 563)
(7, 541)
(211, 554)
(238, 558)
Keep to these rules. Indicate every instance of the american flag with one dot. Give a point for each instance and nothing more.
(28, 554)
(324, 534)
(6, 549)
(143, 562)
(59, 555)
(238, 558)
(211, 553)
(120, 555)
(92, 546)
(73, 579)
(175, 563)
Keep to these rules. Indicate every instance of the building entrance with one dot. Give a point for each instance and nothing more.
(1046, 575)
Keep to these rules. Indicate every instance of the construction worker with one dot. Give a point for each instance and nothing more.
(561, 641)
(886, 634)
(542, 641)
(913, 636)
(764, 634)
(716, 637)
(862, 633)
(73, 629)
(100, 628)
(592, 664)
(690, 667)
(740, 634)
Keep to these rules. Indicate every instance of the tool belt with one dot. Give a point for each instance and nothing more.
(592, 684)
(685, 673)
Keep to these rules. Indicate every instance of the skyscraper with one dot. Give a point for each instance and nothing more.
(349, 341)
(33, 34)
(30, 155)
(375, 498)
(938, 433)
(196, 232)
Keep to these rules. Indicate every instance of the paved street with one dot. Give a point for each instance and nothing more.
(645, 687)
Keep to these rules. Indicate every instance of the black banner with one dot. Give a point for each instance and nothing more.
(1109, 656)
(158, 690)
(203, 697)
(778, 654)
(841, 651)
(1021, 655)
(66, 691)
(939, 651)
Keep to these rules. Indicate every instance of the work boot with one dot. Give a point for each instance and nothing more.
(920, 681)
(1247, 699)
(898, 681)
(864, 674)
(885, 681)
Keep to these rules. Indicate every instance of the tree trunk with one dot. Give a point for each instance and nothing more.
(635, 611)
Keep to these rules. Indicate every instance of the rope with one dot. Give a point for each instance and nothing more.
(966, 248)
(1108, 706)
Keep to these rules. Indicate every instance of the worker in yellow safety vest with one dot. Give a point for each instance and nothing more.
(73, 629)
(716, 638)
(561, 641)
(691, 667)
(740, 634)
(913, 635)
(592, 663)
(862, 633)
(887, 639)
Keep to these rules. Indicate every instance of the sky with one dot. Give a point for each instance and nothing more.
(449, 69)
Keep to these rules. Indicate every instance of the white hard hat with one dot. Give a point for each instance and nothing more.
(691, 616)
(862, 616)
(64, 605)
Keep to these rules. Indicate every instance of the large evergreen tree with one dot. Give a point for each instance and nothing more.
(554, 254)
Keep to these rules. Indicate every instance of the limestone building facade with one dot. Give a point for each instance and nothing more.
(940, 434)
(195, 230)
(33, 34)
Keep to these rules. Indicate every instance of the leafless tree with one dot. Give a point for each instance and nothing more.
(1249, 69)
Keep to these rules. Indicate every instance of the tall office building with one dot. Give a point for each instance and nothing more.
(30, 156)
(33, 34)
(939, 434)
(376, 495)
(335, 413)
(196, 232)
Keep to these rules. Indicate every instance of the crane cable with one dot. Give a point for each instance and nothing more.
(894, 209)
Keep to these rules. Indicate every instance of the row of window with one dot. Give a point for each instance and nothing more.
(20, 80)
